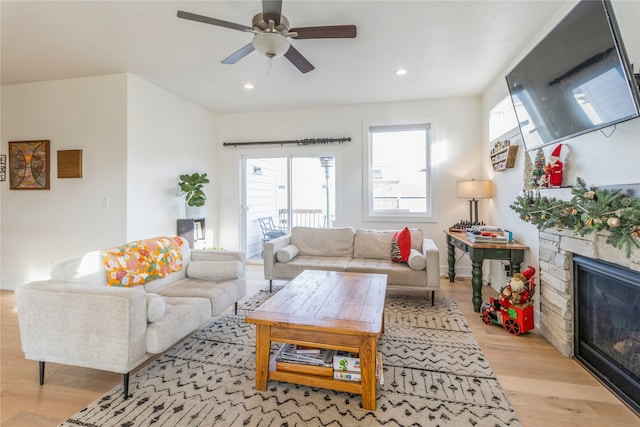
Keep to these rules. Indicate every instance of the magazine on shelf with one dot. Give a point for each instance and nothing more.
(287, 353)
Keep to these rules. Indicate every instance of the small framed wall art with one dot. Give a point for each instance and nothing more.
(3, 167)
(29, 163)
(69, 163)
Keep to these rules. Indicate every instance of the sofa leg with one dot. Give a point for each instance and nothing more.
(433, 297)
(41, 368)
(126, 385)
(236, 308)
(270, 286)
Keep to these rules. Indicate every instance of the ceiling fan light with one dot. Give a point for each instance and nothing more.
(271, 44)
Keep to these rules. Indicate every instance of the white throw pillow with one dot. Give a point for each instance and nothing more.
(287, 253)
(416, 261)
(156, 307)
(214, 269)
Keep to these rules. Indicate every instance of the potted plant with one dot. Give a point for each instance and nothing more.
(191, 186)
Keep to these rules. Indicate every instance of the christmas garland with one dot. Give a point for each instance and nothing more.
(588, 211)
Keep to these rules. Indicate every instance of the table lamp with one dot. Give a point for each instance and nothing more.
(474, 190)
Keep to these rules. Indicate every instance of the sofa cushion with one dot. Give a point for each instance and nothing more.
(328, 242)
(220, 293)
(214, 270)
(376, 244)
(397, 273)
(401, 246)
(416, 260)
(183, 316)
(300, 263)
(373, 244)
(156, 307)
(87, 269)
(287, 253)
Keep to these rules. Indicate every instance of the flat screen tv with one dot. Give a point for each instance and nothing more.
(576, 80)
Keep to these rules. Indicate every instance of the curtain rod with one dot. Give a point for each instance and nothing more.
(308, 141)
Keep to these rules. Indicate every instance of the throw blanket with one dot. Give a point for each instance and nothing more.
(140, 262)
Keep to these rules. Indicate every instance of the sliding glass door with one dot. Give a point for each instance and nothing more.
(292, 191)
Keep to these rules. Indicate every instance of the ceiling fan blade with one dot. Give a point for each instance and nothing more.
(271, 10)
(326, 32)
(213, 21)
(239, 54)
(298, 60)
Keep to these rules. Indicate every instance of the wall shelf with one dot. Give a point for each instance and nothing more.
(504, 158)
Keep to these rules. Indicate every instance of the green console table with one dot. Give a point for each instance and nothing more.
(478, 252)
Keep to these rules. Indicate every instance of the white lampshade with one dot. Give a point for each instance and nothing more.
(272, 45)
(474, 189)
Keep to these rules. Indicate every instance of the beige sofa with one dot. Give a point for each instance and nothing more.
(76, 318)
(361, 250)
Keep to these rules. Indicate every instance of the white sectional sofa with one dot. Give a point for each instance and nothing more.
(361, 250)
(79, 318)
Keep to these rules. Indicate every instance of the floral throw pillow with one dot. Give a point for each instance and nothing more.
(142, 261)
(401, 246)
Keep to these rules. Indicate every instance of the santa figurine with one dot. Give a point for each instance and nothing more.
(553, 170)
(518, 291)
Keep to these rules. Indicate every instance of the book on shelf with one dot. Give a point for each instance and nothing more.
(479, 238)
(346, 361)
(478, 229)
(198, 232)
(340, 374)
(305, 349)
(486, 234)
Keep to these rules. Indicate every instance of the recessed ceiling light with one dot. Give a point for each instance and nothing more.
(248, 85)
(400, 72)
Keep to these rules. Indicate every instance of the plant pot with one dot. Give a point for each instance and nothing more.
(194, 211)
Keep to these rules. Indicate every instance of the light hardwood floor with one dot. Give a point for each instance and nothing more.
(545, 388)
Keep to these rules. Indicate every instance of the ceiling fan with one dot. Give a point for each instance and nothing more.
(272, 32)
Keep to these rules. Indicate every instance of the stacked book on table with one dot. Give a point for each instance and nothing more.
(323, 362)
(486, 234)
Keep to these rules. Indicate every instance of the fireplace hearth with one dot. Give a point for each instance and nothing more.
(607, 325)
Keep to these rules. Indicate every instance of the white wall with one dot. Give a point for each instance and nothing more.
(600, 160)
(167, 136)
(136, 140)
(457, 139)
(42, 226)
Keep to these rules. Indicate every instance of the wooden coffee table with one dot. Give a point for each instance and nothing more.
(326, 309)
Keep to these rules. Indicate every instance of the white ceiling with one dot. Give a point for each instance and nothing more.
(450, 48)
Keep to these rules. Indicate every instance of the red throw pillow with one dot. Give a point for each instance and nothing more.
(401, 246)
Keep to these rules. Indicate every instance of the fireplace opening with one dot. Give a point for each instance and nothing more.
(607, 325)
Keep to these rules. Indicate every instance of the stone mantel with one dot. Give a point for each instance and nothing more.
(556, 279)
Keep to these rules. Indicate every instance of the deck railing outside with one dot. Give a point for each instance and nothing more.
(303, 218)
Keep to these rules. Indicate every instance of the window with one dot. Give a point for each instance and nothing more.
(398, 175)
(502, 119)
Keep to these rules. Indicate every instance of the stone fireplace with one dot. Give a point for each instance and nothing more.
(557, 305)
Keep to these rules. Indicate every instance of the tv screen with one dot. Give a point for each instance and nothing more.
(576, 80)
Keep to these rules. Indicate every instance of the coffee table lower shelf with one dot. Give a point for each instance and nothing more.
(317, 381)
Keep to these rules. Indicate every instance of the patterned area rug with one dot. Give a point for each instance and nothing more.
(435, 374)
